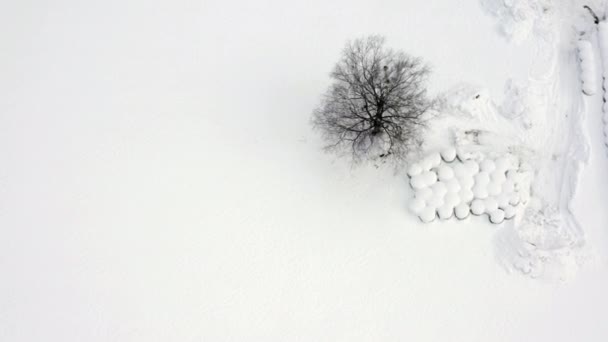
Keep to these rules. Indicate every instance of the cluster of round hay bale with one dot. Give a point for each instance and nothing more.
(448, 185)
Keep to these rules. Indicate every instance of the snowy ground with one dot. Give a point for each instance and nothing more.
(541, 123)
(159, 180)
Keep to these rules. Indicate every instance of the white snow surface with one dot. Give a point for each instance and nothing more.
(159, 180)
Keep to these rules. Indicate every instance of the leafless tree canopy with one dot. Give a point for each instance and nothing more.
(375, 106)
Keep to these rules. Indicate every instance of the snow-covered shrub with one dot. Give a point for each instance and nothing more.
(588, 72)
(518, 19)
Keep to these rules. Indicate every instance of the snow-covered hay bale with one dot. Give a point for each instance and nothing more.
(448, 154)
(466, 195)
(478, 207)
(498, 176)
(445, 211)
(447, 187)
(588, 71)
(430, 178)
(428, 214)
(494, 189)
(414, 170)
(434, 159)
(497, 216)
(418, 182)
(480, 191)
(472, 166)
(462, 211)
(424, 193)
(445, 173)
(453, 185)
(490, 204)
(509, 212)
(452, 199)
(482, 178)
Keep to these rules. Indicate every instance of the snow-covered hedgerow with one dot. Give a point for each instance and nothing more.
(448, 184)
(603, 43)
(588, 71)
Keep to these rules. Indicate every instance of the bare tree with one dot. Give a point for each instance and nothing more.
(375, 106)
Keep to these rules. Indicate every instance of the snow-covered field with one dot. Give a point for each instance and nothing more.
(159, 179)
